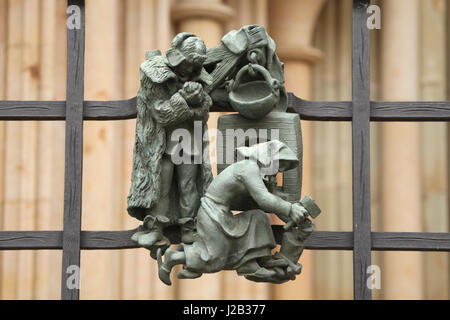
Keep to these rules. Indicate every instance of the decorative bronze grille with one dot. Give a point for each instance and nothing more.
(360, 111)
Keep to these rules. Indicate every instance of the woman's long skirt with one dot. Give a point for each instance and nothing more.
(225, 241)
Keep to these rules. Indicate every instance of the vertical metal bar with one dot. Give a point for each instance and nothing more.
(74, 151)
(361, 149)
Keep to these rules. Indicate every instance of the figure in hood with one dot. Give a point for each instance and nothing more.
(171, 100)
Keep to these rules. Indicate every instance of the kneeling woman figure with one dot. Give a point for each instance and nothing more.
(241, 242)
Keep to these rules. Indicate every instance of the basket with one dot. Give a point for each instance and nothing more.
(254, 99)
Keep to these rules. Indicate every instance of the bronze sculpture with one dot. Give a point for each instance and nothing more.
(171, 96)
(172, 181)
(243, 241)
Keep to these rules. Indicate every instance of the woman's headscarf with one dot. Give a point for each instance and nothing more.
(268, 155)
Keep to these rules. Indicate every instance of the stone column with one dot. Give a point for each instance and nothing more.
(11, 150)
(291, 25)
(205, 19)
(332, 169)
(249, 12)
(50, 150)
(103, 147)
(433, 86)
(401, 206)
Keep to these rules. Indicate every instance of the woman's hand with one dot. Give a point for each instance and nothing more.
(298, 213)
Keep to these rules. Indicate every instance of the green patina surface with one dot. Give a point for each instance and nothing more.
(176, 93)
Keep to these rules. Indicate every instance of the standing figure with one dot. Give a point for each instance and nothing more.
(243, 241)
(171, 98)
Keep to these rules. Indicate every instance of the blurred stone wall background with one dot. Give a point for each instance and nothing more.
(409, 58)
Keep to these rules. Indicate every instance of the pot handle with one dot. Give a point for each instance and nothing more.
(251, 68)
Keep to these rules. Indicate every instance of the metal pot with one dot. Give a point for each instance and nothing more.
(254, 99)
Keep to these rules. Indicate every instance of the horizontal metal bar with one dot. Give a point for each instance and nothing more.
(32, 110)
(320, 110)
(110, 110)
(56, 110)
(30, 240)
(410, 241)
(308, 110)
(319, 240)
(121, 239)
(410, 111)
(379, 110)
